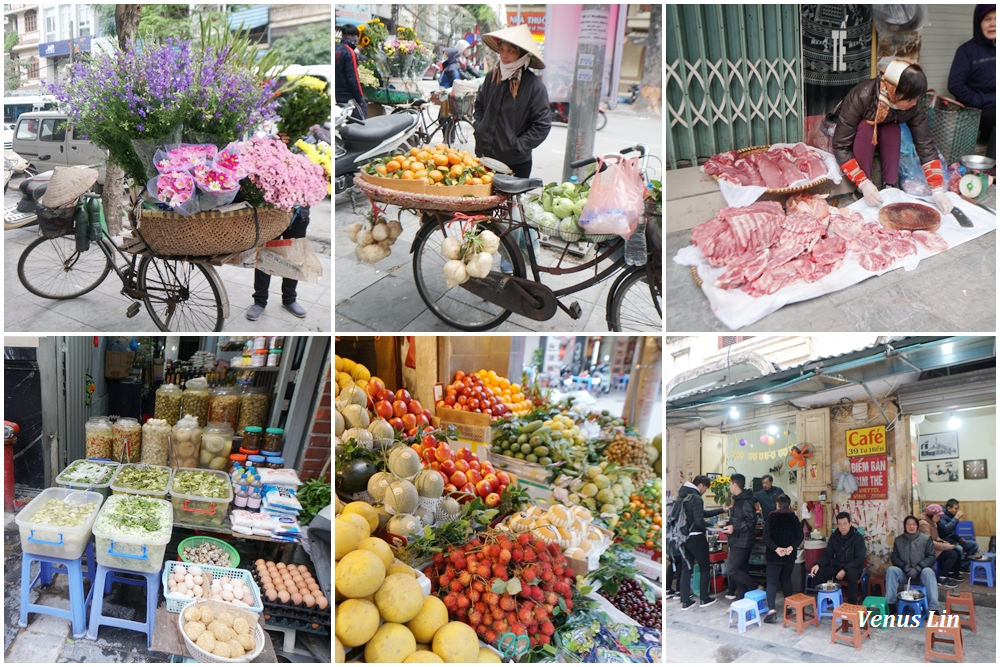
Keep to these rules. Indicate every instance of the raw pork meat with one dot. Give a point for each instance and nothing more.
(776, 168)
(812, 205)
(829, 250)
(931, 240)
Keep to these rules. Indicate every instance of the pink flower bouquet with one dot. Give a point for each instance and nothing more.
(184, 157)
(216, 187)
(285, 179)
(229, 159)
(176, 190)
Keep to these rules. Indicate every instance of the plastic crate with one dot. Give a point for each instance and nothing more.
(116, 488)
(138, 553)
(55, 541)
(200, 510)
(175, 603)
(103, 488)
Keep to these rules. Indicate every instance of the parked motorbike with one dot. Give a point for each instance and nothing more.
(14, 164)
(358, 141)
(26, 211)
(632, 95)
(560, 114)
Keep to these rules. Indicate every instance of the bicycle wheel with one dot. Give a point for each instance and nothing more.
(461, 135)
(634, 304)
(53, 269)
(602, 120)
(181, 295)
(457, 306)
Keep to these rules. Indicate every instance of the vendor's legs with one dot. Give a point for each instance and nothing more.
(778, 572)
(888, 150)
(262, 281)
(736, 567)
(929, 580)
(988, 128)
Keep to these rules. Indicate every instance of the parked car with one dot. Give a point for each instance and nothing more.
(47, 139)
(8, 136)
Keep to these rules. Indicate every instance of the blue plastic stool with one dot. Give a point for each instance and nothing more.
(78, 602)
(746, 613)
(827, 601)
(981, 571)
(105, 576)
(911, 607)
(760, 597)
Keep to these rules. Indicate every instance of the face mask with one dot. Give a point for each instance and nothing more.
(507, 71)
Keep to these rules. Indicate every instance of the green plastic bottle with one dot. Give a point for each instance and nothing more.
(95, 212)
(81, 223)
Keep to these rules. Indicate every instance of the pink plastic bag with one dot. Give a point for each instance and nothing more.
(614, 204)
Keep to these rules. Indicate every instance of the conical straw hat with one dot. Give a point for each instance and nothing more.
(66, 186)
(519, 36)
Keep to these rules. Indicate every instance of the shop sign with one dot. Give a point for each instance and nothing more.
(865, 441)
(535, 20)
(64, 47)
(873, 478)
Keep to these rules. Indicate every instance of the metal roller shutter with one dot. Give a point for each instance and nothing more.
(969, 390)
(949, 26)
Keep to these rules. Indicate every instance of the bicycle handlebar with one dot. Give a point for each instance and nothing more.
(583, 162)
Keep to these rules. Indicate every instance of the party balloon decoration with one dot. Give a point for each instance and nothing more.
(743, 442)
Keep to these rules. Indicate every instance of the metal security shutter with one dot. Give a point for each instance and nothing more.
(968, 390)
(951, 26)
(733, 77)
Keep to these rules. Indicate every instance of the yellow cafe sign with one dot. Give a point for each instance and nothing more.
(865, 441)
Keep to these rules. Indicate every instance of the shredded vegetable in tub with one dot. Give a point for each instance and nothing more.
(58, 512)
(143, 478)
(133, 516)
(88, 472)
(202, 484)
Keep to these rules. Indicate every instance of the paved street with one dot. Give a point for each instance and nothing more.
(104, 308)
(382, 296)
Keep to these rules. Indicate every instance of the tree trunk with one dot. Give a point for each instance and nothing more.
(652, 64)
(113, 197)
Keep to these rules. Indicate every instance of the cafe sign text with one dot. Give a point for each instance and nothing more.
(866, 441)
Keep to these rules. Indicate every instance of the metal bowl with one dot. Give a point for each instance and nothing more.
(828, 586)
(978, 161)
(979, 557)
(911, 596)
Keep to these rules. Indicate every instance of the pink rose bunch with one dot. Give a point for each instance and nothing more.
(285, 179)
(174, 188)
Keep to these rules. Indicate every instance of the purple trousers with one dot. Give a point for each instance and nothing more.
(888, 150)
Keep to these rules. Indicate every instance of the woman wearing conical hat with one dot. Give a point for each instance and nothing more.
(512, 108)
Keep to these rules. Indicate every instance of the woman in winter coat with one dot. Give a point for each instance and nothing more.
(869, 118)
(511, 112)
(948, 557)
(973, 77)
(782, 537)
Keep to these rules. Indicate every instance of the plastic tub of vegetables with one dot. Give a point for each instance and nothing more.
(201, 497)
(57, 522)
(132, 532)
(87, 475)
(142, 479)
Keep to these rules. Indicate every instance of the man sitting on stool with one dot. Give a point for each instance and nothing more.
(948, 529)
(912, 559)
(843, 558)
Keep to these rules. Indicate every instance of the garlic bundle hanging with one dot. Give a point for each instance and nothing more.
(469, 257)
(374, 237)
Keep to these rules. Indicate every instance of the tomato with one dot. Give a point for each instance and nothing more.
(429, 441)
(384, 409)
(459, 375)
(484, 488)
(414, 407)
(462, 466)
(492, 500)
(462, 399)
(458, 479)
(503, 478)
(487, 411)
(473, 403)
(449, 401)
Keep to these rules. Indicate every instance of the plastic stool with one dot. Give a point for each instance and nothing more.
(105, 576)
(760, 597)
(875, 602)
(78, 602)
(799, 604)
(951, 636)
(981, 572)
(827, 601)
(746, 613)
(847, 626)
(912, 607)
(966, 608)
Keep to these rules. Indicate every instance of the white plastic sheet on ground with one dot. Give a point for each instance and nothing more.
(736, 309)
(744, 195)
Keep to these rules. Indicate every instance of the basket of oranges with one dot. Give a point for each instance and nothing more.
(436, 170)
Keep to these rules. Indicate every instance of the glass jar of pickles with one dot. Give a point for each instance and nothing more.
(224, 405)
(252, 439)
(98, 437)
(216, 446)
(274, 440)
(196, 398)
(168, 403)
(155, 442)
(254, 404)
(126, 440)
(186, 443)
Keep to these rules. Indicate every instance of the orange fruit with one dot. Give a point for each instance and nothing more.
(440, 159)
(429, 181)
(408, 175)
(424, 155)
(435, 175)
(487, 178)
(420, 173)
(414, 151)
(380, 169)
(454, 158)
(475, 181)
(393, 165)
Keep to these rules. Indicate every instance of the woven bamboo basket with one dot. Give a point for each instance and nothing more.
(781, 191)
(211, 233)
(421, 201)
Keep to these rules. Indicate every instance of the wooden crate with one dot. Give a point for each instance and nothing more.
(471, 425)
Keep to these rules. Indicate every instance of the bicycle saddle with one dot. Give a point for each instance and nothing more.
(512, 185)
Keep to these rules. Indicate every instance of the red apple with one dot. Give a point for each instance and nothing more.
(491, 478)
(373, 387)
(414, 407)
(464, 453)
(486, 468)
(397, 424)
(450, 488)
(429, 441)
(421, 419)
(398, 408)
(503, 478)
(384, 395)
(473, 475)
(492, 500)
(384, 409)
(448, 468)
(461, 465)
(434, 465)
(410, 422)
(474, 459)
(468, 488)
(440, 472)
(458, 479)
(403, 395)
(443, 452)
(484, 488)
(427, 413)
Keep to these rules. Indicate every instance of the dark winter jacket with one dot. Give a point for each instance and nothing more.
(844, 551)
(743, 516)
(912, 552)
(859, 105)
(694, 507)
(948, 528)
(782, 529)
(768, 500)
(509, 128)
(973, 77)
(451, 70)
(345, 77)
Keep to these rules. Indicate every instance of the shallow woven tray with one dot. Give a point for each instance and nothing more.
(781, 191)
(210, 233)
(428, 202)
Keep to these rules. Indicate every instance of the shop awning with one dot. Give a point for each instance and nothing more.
(878, 368)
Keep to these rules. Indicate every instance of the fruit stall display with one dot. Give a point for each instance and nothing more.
(440, 551)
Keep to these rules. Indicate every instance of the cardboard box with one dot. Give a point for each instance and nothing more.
(118, 364)
(471, 425)
(419, 187)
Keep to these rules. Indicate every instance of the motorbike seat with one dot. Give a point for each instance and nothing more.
(35, 186)
(375, 130)
(512, 185)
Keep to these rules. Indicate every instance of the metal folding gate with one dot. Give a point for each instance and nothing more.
(734, 78)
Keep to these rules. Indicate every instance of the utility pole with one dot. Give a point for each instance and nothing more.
(587, 81)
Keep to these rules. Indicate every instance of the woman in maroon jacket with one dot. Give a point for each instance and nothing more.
(870, 116)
